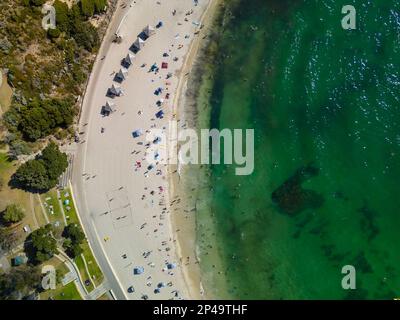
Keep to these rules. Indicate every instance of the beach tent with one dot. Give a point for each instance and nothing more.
(121, 74)
(138, 270)
(171, 266)
(108, 108)
(160, 114)
(138, 44)
(116, 90)
(149, 30)
(128, 60)
(137, 133)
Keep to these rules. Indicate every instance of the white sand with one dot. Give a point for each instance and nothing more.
(109, 189)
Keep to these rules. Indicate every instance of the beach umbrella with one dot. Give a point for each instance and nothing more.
(138, 44)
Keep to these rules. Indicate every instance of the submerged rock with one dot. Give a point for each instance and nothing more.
(292, 198)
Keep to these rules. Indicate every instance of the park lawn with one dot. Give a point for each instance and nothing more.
(72, 217)
(10, 195)
(84, 275)
(53, 210)
(69, 292)
(94, 269)
(5, 95)
(69, 210)
(39, 212)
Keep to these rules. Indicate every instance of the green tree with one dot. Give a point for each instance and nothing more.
(32, 175)
(43, 243)
(100, 6)
(53, 33)
(13, 213)
(74, 237)
(8, 239)
(87, 7)
(42, 173)
(62, 16)
(54, 161)
(85, 35)
(37, 2)
(19, 282)
(41, 118)
(75, 250)
(75, 233)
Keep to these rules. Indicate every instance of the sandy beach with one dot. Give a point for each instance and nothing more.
(124, 205)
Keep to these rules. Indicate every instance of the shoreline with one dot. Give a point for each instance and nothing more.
(183, 247)
(186, 244)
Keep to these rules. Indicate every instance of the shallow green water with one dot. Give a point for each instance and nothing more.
(322, 98)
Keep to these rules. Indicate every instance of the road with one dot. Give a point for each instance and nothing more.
(77, 182)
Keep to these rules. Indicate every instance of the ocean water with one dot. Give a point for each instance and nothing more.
(325, 106)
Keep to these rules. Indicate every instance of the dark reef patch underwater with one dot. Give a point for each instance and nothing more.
(324, 104)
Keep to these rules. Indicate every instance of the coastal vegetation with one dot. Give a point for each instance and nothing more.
(19, 282)
(46, 69)
(43, 78)
(42, 172)
(13, 213)
(74, 238)
(42, 244)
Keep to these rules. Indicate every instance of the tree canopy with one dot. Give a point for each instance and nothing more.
(40, 119)
(43, 243)
(42, 173)
(19, 282)
(8, 238)
(74, 238)
(13, 213)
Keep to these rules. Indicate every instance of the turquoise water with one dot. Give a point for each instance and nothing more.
(324, 104)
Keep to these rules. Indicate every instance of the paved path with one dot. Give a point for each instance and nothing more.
(75, 273)
(98, 292)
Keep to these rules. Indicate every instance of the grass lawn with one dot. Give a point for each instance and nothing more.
(53, 210)
(9, 196)
(69, 292)
(95, 272)
(69, 209)
(94, 269)
(82, 270)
